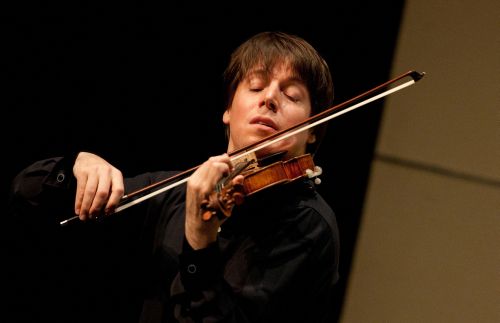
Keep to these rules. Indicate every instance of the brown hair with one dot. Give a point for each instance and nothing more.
(268, 48)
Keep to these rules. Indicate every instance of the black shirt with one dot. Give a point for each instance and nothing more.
(275, 259)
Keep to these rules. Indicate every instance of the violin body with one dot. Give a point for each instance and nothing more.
(257, 179)
(281, 172)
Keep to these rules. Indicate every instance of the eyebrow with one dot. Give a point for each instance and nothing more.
(264, 73)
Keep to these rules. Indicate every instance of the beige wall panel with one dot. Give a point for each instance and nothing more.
(451, 118)
(429, 250)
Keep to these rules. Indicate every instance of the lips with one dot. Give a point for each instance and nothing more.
(267, 122)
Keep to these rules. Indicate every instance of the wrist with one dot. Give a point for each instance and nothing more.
(200, 236)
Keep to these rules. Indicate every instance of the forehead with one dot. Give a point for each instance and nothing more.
(278, 70)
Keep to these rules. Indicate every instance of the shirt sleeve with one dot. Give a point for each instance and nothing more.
(46, 186)
(199, 268)
(75, 270)
(199, 283)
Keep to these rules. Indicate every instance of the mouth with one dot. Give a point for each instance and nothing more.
(264, 122)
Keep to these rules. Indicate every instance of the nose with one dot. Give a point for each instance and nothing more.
(271, 104)
(271, 99)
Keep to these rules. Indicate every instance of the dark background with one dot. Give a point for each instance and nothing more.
(139, 84)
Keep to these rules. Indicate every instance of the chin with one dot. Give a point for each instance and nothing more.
(271, 150)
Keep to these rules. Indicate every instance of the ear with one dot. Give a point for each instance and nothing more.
(311, 138)
(226, 117)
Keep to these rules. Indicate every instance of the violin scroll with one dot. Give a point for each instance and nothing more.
(226, 194)
(222, 203)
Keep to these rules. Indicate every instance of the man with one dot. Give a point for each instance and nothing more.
(275, 258)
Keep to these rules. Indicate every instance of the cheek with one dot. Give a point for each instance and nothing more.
(294, 116)
(239, 109)
(234, 115)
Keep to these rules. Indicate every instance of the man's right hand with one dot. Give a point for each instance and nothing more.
(99, 186)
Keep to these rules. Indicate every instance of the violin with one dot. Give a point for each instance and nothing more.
(226, 196)
(257, 178)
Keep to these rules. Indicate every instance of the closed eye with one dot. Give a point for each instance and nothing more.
(292, 98)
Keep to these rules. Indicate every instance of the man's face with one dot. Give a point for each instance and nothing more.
(265, 103)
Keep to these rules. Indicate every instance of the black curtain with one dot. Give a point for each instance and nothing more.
(139, 84)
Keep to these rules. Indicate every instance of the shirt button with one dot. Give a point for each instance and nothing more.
(191, 268)
(60, 177)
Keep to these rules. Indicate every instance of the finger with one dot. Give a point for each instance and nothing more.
(206, 176)
(117, 191)
(215, 171)
(238, 180)
(88, 196)
(101, 195)
(81, 182)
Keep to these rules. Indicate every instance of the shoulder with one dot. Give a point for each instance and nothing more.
(319, 212)
(321, 226)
